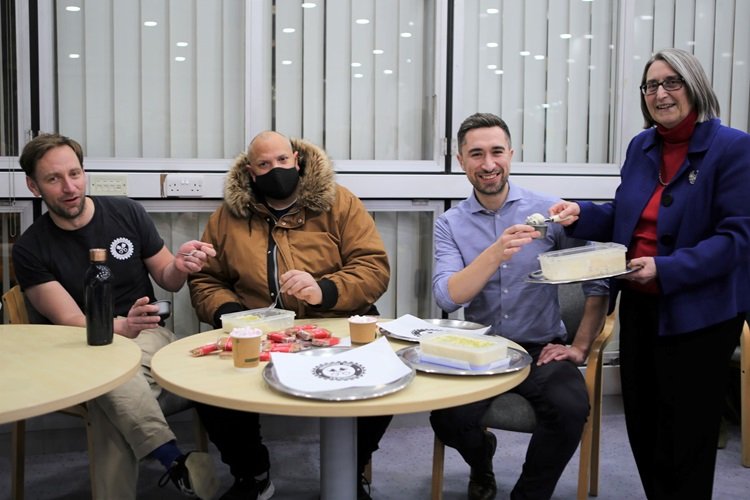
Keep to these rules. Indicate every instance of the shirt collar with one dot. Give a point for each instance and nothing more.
(514, 194)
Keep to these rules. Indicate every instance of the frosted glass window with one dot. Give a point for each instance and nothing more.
(152, 78)
(715, 31)
(351, 75)
(545, 67)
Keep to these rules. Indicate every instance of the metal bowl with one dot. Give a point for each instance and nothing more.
(456, 323)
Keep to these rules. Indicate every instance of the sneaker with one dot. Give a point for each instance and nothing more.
(193, 474)
(363, 489)
(257, 488)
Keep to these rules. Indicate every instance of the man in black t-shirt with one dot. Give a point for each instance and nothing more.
(50, 261)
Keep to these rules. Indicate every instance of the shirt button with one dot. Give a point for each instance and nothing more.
(505, 290)
(268, 252)
(505, 316)
(299, 221)
(283, 223)
(504, 266)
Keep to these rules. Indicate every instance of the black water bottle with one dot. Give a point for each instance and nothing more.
(98, 299)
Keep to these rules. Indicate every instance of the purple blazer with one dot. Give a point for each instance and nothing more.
(703, 226)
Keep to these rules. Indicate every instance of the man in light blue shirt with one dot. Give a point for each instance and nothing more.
(483, 254)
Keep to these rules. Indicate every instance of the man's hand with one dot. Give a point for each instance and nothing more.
(302, 286)
(512, 240)
(192, 255)
(141, 316)
(559, 352)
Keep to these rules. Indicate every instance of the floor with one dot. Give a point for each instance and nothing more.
(401, 469)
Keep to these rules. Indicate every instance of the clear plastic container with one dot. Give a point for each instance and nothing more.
(460, 348)
(597, 259)
(268, 320)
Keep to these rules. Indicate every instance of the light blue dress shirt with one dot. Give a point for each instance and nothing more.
(518, 310)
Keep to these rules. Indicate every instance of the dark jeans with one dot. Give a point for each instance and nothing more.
(247, 456)
(673, 396)
(558, 394)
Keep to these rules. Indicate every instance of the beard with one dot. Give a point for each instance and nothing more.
(490, 189)
(67, 213)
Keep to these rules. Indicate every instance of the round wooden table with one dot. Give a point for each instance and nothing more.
(214, 381)
(47, 368)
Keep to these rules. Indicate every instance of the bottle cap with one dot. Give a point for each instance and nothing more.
(98, 254)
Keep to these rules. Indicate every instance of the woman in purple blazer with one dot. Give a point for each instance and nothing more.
(683, 211)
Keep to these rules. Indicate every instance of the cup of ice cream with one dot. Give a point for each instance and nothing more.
(538, 222)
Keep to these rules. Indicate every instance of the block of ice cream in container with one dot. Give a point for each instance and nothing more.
(463, 350)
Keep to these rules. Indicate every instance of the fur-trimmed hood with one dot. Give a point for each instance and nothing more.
(317, 185)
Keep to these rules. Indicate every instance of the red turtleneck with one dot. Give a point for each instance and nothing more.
(675, 142)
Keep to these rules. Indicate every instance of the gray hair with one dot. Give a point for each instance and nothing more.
(481, 120)
(699, 90)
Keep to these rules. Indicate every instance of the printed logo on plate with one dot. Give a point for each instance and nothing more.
(121, 249)
(418, 332)
(339, 370)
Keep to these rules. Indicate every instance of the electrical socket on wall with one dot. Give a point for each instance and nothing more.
(108, 184)
(182, 185)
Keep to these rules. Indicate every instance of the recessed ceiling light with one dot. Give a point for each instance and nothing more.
(525, 53)
(387, 71)
(565, 36)
(286, 62)
(358, 75)
(377, 52)
(498, 72)
(493, 11)
(74, 56)
(492, 45)
(288, 30)
(356, 65)
(492, 66)
(539, 57)
(182, 44)
(309, 5)
(72, 8)
(180, 58)
(362, 21)
(406, 34)
(150, 24)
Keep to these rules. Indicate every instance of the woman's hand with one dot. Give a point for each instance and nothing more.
(568, 211)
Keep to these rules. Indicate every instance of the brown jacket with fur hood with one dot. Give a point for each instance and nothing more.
(327, 233)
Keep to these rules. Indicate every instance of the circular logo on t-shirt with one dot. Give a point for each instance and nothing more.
(121, 249)
(339, 370)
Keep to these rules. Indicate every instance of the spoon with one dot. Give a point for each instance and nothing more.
(272, 306)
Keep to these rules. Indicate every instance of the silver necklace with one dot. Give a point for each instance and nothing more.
(661, 181)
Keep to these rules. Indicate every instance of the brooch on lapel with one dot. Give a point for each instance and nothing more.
(693, 175)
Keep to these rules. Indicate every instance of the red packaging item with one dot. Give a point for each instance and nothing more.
(265, 356)
(328, 342)
(204, 349)
(280, 337)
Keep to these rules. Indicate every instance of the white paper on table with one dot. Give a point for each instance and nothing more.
(411, 327)
(371, 365)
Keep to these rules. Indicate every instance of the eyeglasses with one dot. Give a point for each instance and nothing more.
(670, 84)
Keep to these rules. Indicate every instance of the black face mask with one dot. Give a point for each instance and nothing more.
(278, 184)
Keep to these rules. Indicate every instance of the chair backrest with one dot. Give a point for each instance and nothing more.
(572, 303)
(14, 304)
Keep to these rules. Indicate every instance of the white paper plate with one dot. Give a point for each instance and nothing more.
(346, 394)
(454, 324)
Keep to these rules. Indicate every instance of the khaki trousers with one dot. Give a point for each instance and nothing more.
(128, 423)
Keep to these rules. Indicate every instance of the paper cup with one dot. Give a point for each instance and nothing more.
(246, 348)
(363, 329)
